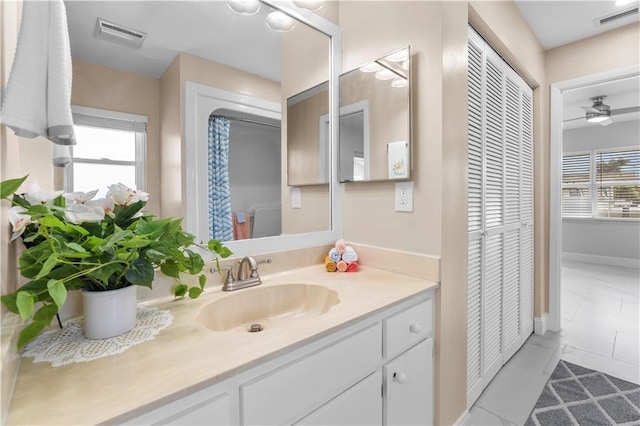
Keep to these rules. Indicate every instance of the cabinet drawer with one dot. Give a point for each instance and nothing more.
(295, 389)
(408, 327)
(359, 405)
(408, 384)
(205, 407)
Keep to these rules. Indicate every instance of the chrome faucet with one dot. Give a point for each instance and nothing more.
(246, 276)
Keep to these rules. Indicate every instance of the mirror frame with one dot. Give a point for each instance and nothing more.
(191, 202)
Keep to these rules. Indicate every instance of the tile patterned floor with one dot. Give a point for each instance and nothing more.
(601, 326)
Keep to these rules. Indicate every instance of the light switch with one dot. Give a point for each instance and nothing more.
(296, 198)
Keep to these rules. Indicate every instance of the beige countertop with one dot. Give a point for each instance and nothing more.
(187, 356)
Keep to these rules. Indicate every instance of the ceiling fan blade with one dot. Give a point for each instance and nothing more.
(625, 110)
(605, 122)
(591, 109)
(574, 119)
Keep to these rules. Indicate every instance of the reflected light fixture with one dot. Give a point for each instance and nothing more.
(624, 2)
(312, 5)
(399, 56)
(244, 7)
(280, 21)
(371, 67)
(400, 82)
(405, 65)
(385, 74)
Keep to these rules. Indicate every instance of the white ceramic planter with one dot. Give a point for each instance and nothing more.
(109, 313)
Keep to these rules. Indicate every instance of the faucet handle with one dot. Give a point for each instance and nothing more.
(229, 279)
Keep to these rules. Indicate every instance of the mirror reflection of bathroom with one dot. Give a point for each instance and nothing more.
(375, 120)
(244, 176)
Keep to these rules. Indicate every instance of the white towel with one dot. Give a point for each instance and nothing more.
(37, 99)
(349, 255)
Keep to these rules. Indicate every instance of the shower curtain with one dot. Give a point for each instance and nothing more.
(220, 223)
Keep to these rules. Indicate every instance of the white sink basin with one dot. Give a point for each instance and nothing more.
(269, 306)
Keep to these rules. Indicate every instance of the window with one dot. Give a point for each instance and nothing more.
(601, 184)
(110, 148)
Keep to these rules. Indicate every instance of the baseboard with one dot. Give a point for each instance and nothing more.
(464, 419)
(540, 325)
(602, 260)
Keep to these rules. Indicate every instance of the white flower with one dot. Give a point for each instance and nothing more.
(80, 197)
(124, 196)
(80, 213)
(37, 195)
(18, 220)
(106, 204)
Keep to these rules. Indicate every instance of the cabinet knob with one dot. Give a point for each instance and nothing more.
(415, 328)
(399, 377)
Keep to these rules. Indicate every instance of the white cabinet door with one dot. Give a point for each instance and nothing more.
(408, 384)
(359, 405)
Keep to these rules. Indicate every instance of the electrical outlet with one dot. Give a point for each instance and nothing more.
(404, 196)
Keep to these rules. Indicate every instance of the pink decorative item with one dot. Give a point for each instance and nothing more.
(342, 266)
(340, 246)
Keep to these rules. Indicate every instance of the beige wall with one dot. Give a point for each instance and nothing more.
(97, 86)
(437, 34)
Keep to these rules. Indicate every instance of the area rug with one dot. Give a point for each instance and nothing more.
(577, 395)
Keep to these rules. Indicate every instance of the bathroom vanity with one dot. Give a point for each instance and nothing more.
(368, 359)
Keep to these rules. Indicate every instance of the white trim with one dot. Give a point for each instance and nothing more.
(555, 180)
(464, 419)
(540, 325)
(602, 260)
(98, 112)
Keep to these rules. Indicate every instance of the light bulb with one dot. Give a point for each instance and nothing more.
(312, 5)
(400, 82)
(371, 67)
(244, 7)
(385, 74)
(280, 21)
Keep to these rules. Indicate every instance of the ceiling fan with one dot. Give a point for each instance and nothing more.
(601, 113)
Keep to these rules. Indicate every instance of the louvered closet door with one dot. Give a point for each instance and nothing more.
(475, 223)
(500, 215)
(493, 180)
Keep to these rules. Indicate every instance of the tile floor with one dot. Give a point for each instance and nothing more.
(601, 328)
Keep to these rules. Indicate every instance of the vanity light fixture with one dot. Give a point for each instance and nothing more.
(405, 65)
(280, 21)
(312, 5)
(244, 7)
(385, 74)
(624, 2)
(371, 67)
(400, 82)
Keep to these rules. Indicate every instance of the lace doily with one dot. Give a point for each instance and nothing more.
(66, 346)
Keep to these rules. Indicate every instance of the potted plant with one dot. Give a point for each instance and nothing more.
(100, 246)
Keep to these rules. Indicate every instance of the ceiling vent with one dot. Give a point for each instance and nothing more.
(119, 34)
(627, 16)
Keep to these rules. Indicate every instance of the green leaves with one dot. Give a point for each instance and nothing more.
(219, 249)
(124, 248)
(57, 291)
(140, 273)
(8, 187)
(25, 302)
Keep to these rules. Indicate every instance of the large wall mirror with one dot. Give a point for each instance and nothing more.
(222, 72)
